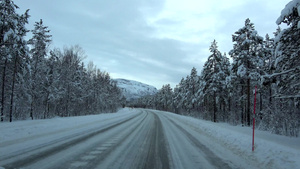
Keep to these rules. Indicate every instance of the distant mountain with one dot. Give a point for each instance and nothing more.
(134, 90)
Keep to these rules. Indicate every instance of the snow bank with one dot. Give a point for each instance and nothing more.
(271, 151)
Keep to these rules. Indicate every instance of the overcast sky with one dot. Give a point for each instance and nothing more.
(156, 42)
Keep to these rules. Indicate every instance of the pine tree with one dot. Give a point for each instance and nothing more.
(288, 51)
(192, 88)
(166, 97)
(266, 67)
(51, 84)
(224, 94)
(178, 96)
(39, 42)
(287, 71)
(13, 50)
(246, 48)
(214, 75)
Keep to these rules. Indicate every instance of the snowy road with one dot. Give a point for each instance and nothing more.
(135, 139)
(143, 139)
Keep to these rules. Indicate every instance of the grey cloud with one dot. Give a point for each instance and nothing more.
(117, 37)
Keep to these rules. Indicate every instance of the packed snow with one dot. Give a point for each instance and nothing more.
(21, 130)
(271, 151)
(231, 143)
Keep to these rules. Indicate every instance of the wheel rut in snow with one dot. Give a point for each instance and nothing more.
(210, 156)
(157, 156)
(40, 153)
(104, 150)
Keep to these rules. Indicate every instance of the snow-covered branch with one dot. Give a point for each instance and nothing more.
(281, 73)
(287, 97)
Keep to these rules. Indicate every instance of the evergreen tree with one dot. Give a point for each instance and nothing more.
(245, 53)
(51, 85)
(39, 42)
(214, 74)
(13, 52)
(287, 71)
(288, 52)
(179, 96)
(224, 94)
(192, 87)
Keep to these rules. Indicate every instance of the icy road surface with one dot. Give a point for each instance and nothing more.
(130, 139)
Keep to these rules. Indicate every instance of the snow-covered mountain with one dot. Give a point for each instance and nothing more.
(133, 90)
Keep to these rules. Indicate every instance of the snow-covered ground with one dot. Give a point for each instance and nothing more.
(26, 130)
(271, 151)
(139, 138)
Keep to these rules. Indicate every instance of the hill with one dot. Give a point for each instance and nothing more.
(133, 90)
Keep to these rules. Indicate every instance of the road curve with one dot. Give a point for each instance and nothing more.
(147, 139)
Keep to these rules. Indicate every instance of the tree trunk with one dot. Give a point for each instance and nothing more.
(270, 93)
(31, 109)
(229, 104)
(12, 90)
(3, 88)
(46, 111)
(68, 100)
(242, 106)
(248, 102)
(215, 107)
(260, 102)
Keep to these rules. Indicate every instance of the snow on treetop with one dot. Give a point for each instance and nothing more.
(288, 10)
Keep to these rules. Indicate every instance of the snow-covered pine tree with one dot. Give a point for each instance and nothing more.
(287, 70)
(246, 48)
(214, 78)
(13, 52)
(69, 86)
(164, 98)
(288, 51)
(178, 96)
(52, 83)
(39, 48)
(186, 94)
(224, 94)
(193, 85)
(266, 88)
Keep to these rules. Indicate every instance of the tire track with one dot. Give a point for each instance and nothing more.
(11, 142)
(101, 152)
(210, 156)
(157, 156)
(144, 148)
(35, 154)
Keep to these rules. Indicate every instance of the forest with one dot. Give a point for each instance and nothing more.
(224, 91)
(39, 83)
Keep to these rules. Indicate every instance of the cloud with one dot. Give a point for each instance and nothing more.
(152, 41)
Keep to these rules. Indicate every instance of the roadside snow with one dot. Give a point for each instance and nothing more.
(21, 130)
(271, 151)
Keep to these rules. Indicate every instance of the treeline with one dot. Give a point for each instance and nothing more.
(224, 91)
(37, 83)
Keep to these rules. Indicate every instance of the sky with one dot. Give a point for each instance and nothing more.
(156, 42)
